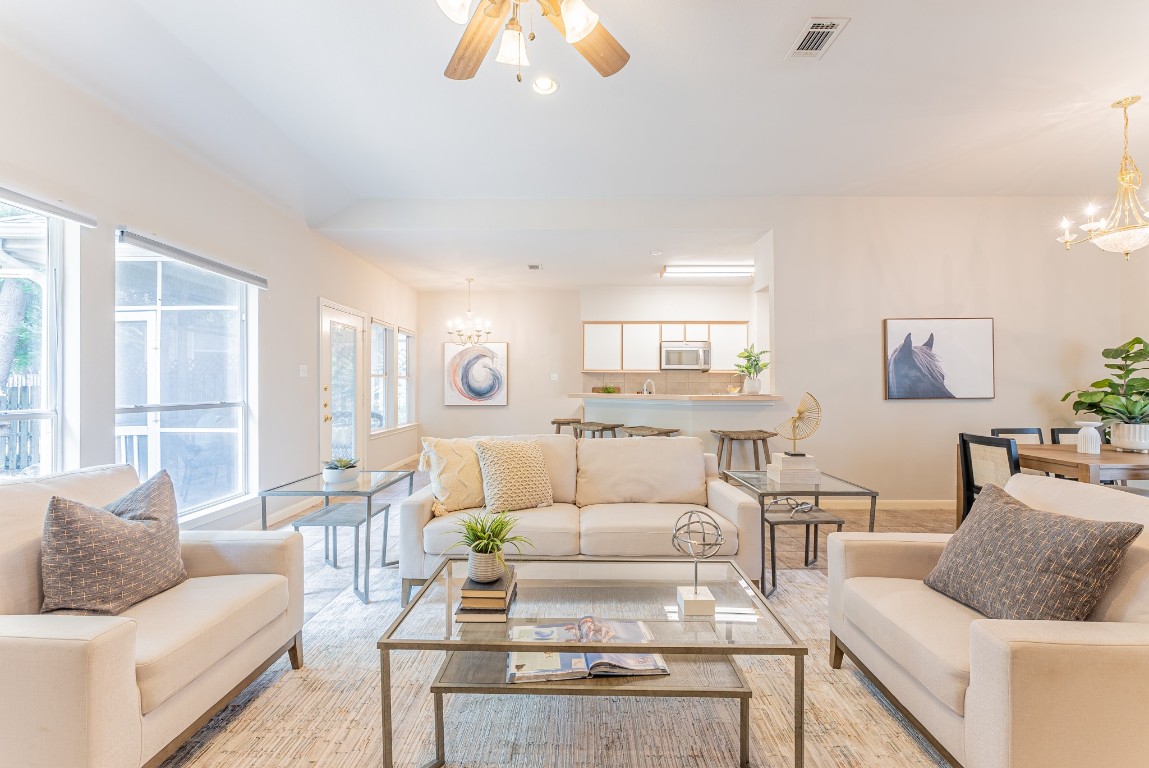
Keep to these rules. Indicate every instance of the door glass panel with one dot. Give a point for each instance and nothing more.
(343, 390)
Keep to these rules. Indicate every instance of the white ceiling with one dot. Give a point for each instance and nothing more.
(325, 104)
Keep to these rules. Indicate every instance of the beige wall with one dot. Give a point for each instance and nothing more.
(544, 333)
(65, 146)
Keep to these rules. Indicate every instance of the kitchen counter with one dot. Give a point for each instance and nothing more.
(732, 399)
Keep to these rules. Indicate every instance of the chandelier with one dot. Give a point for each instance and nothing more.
(1126, 228)
(472, 330)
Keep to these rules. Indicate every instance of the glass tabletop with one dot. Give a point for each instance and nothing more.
(565, 591)
(758, 482)
(366, 483)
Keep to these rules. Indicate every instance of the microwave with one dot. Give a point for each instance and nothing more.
(685, 356)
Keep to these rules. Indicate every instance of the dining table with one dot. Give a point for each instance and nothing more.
(1064, 460)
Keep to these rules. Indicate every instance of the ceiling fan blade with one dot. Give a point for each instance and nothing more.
(600, 48)
(477, 38)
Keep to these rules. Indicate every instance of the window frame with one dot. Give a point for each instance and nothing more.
(390, 408)
(412, 413)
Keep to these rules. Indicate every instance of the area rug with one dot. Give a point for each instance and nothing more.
(327, 714)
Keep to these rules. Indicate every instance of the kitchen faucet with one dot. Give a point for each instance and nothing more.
(648, 387)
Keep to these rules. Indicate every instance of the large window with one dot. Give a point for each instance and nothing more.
(181, 384)
(404, 370)
(29, 253)
(382, 413)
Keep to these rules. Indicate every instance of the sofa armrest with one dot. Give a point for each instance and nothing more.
(1056, 694)
(228, 553)
(889, 555)
(69, 692)
(745, 512)
(414, 514)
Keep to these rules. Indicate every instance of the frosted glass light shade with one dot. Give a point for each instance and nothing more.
(578, 19)
(458, 11)
(513, 48)
(1124, 240)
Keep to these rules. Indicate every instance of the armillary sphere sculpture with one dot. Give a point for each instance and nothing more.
(697, 535)
(802, 424)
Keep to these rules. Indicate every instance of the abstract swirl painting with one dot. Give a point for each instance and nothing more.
(475, 375)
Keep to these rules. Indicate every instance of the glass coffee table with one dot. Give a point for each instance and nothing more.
(699, 651)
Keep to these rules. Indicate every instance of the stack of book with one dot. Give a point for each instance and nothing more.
(487, 603)
(794, 469)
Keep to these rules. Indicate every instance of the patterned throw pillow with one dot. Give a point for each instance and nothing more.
(1010, 561)
(456, 480)
(514, 475)
(103, 561)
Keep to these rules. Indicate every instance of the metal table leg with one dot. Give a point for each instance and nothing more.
(799, 711)
(440, 741)
(384, 562)
(773, 565)
(873, 511)
(744, 733)
(263, 513)
(385, 690)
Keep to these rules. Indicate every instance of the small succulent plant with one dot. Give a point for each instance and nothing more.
(341, 463)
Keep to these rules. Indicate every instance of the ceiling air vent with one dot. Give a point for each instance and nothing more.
(813, 41)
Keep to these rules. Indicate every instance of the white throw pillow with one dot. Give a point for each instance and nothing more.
(514, 475)
(647, 469)
(456, 480)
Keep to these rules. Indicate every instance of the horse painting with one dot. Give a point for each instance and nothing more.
(915, 372)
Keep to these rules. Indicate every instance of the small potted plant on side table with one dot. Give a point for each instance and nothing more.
(752, 366)
(1122, 400)
(340, 470)
(486, 536)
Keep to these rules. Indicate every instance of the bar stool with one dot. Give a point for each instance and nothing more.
(595, 428)
(560, 423)
(727, 438)
(648, 431)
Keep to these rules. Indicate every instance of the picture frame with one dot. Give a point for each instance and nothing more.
(475, 374)
(938, 358)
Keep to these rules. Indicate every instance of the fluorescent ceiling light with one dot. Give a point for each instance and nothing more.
(708, 270)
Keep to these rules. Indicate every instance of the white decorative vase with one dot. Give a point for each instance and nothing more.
(1088, 438)
(1130, 437)
(337, 476)
(484, 567)
(751, 387)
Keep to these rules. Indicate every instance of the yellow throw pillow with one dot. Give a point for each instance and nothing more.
(456, 479)
(514, 475)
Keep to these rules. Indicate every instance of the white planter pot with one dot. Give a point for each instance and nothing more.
(337, 476)
(484, 567)
(751, 387)
(1130, 437)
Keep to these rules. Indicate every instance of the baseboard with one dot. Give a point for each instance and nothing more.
(412, 459)
(856, 502)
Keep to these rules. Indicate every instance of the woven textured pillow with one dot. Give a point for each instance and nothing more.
(514, 475)
(103, 561)
(456, 480)
(1009, 561)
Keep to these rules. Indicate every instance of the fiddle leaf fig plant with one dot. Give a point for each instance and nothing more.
(1123, 397)
(753, 363)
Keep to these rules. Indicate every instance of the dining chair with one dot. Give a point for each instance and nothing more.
(1063, 435)
(985, 460)
(1026, 435)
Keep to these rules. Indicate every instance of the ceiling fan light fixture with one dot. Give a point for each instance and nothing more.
(513, 46)
(578, 19)
(545, 85)
(458, 11)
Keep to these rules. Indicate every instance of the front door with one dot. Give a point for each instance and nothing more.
(341, 425)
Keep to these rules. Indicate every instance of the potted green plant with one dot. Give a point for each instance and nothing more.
(1122, 400)
(751, 366)
(340, 470)
(486, 536)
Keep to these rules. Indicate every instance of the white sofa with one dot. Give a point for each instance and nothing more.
(612, 498)
(992, 693)
(125, 691)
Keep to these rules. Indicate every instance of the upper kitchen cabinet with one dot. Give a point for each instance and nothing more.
(726, 341)
(640, 346)
(602, 346)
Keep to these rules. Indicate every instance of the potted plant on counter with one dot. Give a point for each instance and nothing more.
(751, 366)
(1122, 400)
(340, 470)
(486, 536)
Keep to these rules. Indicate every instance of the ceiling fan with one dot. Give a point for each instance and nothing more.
(572, 18)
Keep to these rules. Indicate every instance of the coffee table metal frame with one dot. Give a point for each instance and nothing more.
(660, 686)
(756, 483)
(368, 484)
(814, 518)
(347, 515)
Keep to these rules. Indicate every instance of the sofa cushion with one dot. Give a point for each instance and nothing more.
(1127, 598)
(514, 475)
(553, 531)
(632, 529)
(182, 632)
(650, 469)
(23, 505)
(102, 560)
(1009, 561)
(920, 629)
(559, 454)
(456, 480)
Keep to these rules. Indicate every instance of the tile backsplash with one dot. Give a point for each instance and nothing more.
(665, 382)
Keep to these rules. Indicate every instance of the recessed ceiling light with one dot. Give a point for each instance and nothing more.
(545, 85)
(708, 270)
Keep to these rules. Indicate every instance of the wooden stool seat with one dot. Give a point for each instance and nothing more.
(640, 431)
(566, 422)
(595, 428)
(728, 437)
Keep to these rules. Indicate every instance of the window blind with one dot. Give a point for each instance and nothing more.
(178, 254)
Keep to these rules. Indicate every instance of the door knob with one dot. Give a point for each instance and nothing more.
(327, 418)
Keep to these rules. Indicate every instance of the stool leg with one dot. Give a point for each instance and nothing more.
(766, 450)
(558, 428)
(613, 432)
(754, 450)
(729, 452)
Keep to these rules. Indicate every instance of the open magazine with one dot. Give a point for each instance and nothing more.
(531, 667)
